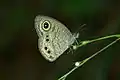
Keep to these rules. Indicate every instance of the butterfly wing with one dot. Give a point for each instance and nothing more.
(55, 42)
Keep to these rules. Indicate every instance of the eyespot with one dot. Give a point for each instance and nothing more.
(45, 48)
(46, 35)
(48, 51)
(47, 40)
(46, 25)
(51, 57)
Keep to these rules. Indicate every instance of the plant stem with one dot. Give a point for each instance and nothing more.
(87, 59)
(98, 39)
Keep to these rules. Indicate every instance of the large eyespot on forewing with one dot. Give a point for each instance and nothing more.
(46, 26)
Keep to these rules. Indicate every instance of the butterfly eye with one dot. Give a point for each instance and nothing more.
(46, 25)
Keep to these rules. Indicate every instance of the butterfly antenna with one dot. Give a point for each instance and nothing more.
(76, 35)
(80, 28)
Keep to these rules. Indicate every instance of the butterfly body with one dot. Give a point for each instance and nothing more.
(54, 37)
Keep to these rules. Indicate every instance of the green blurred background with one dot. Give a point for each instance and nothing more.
(19, 55)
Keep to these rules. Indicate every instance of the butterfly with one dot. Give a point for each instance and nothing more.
(54, 37)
